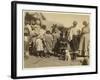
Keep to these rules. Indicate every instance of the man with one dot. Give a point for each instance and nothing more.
(73, 39)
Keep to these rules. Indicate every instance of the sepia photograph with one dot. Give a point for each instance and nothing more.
(55, 39)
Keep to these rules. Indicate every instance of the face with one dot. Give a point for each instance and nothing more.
(33, 22)
(38, 22)
(74, 23)
(85, 23)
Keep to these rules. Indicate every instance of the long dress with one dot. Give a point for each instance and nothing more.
(84, 42)
(48, 39)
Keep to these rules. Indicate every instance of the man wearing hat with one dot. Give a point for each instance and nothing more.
(73, 39)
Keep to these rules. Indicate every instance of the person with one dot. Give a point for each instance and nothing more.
(28, 25)
(84, 42)
(48, 41)
(33, 36)
(56, 36)
(42, 31)
(38, 38)
(73, 39)
(68, 55)
(37, 26)
(26, 41)
(39, 46)
(38, 22)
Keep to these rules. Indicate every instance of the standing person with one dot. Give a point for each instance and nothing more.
(48, 41)
(33, 36)
(73, 39)
(84, 42)
(56, 36)
(26, 41)
(42, 31)
(39, 46)
(39, 40)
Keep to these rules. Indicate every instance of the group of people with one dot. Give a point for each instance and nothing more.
(64, 43)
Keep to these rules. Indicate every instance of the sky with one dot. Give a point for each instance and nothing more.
(66, 18)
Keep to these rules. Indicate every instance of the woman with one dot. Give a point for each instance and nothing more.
(84, 42)
(48, 41)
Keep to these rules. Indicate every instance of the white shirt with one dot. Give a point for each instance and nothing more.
(73, 31)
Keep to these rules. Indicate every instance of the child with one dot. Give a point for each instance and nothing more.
(39, 47)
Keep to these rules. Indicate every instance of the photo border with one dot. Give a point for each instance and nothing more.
(14, 38)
